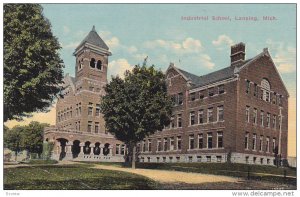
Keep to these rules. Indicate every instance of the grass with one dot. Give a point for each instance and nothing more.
(73, 177)
(257, 172)
(42, 162)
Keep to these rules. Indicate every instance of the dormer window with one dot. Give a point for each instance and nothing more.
(92, 63)
(99, 65)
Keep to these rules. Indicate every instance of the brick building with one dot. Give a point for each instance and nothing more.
(238, 113)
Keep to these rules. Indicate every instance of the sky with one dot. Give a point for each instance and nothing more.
(159, 31)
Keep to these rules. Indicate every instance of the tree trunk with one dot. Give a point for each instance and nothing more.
(16, 155)
(133, 156)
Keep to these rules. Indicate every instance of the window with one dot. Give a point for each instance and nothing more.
(208, 158)
(268, 120)
(92, 63)
(211, 91)
(261, 160)
(90, 109)
(149, 159)
(178, 159)
(78, 125)
(96, 127)
(209, 140)
(279, 122)
(191, 142)
(274, 122)
(210, 115)
(190, 158)
(172, 125)
(261, 143)
(246, 141)
(173, 98)
(220, 139)
(164, 159)
(200, 141)
(193, 96)
(254, 116)
(97, 110)
(247, 114)
(221, 89)
(254, 159)
(254, 142)
(274, 145)
(172, 143)
(265, 85)
(117, 149)
(165, 144)
(144, 146)
(262, 118)
(179, 120)
(90, 126)
(157, 159)
(91, 88)
(280, 100)
(268, 144)
(158, 145)
(199, 158)
(201, 94)
(201, 116)
(247, 86)
(220, 113)
(123, 149)
(180, 98)
(99, 65)
(149, 145)
(179, 143)
(274, 98)
(171, 159)
(247, 159)
(255, 93)
(219, 159)
(192, 118)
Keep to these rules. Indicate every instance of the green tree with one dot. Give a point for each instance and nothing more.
(12, 139)
(32, 65)
(32, 137)
(136, 106)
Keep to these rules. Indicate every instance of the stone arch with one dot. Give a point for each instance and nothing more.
(99, 65)
(76, 148)
(62, 143)
(106, 149)
(87, 148)
(97, 148)
(92, 63)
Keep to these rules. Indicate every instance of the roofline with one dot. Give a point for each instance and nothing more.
(91, 46)
(172, 66)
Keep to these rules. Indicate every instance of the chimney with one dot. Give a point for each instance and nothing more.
(237, 53)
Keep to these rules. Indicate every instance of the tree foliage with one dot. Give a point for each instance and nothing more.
(32, 65)
(136, 106)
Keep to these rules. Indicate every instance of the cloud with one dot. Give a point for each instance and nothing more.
(205, 61)
(112, 43)
(223, 41)
(118, 67)
(284, 56)
(66, 29)
(71, 45)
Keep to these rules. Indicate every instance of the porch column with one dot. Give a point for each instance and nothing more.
(69, 150)
(101, 149)
(110, 150)
(92, 146)
(81, 149)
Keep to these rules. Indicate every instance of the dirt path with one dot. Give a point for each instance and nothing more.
(165, 176)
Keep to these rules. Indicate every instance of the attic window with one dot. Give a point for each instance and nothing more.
(265, 86)
(92, 63)
(99, 64)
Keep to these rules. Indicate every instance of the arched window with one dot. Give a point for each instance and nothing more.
(92, 63)
(99, 64)
(265, 87)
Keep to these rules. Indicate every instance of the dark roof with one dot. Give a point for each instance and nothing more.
(216, 76)
(94, 38)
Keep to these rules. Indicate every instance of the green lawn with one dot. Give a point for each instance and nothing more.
(72, 177)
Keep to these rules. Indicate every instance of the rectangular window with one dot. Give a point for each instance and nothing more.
(247, 114)
(201, 94)
(220, 113)
(97, 110)
(78, 125)
(210, 115)
(165, 144)
(199, 158)
(209, 140)
(149, 145)
(200, 141)
(254, 142)
(144, 146)
(208, 158)
(280, 100)
(268, 144)
(191, 142)
(220, 139)
(211, 91)
(89, 129)
(268, 120)
(179, 143)
(279, 122)
(172, 143)
(274, 98)
(158, 145)
(172, 124)
(221, 89)
(180, 98)
(201, 116)
(91, 88)
(219, 159)
(261, 143)
(79, 110)
(192, 118)
(274, 122)
(262, 118)
(274, 145)
(247, 86)
(96, 127)
(255, 93)
(123, 149)
(179, 120)
(193, 96)
(247, 141)
(117, 149)
(254, 116)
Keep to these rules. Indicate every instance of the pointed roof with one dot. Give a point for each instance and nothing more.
(94, 39)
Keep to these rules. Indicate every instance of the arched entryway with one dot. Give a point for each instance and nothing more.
(62, 142)
(87, 148)
(97, 149)
(76, 148)
(106, 149)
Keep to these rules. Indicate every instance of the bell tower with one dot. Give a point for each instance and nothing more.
(91, 58)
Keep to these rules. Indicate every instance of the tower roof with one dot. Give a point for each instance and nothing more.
(94, 38)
